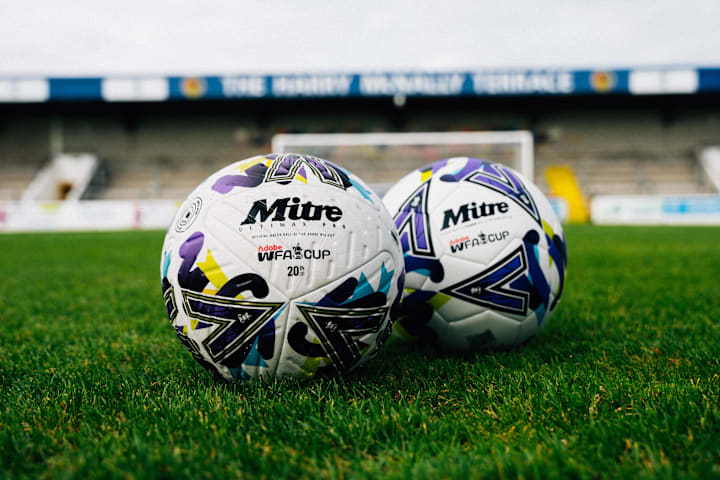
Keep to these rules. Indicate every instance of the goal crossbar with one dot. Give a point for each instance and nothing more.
(522, 138)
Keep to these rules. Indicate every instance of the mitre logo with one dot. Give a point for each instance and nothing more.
(472, 211)
(291, 209)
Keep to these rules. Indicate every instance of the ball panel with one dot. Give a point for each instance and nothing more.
(465, 219)
(319, 249)
(528, 329)
(340, 325)
(482, 330)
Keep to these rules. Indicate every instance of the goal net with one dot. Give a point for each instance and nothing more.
(383, 158)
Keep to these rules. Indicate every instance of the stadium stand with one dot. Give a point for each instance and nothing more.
(24, 148)
(131, 182)
(632, 176)
(616, 139)
(154, 162)
(156, 169)
(155, 178)
(14, 179)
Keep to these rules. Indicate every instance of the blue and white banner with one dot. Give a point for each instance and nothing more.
(645, 81)
(656, 209)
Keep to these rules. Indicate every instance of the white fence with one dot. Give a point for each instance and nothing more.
(86, 215)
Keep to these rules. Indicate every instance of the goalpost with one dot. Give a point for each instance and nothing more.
(383, 158)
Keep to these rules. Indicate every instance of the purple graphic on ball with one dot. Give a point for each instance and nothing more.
(412, 224)
(499, 178)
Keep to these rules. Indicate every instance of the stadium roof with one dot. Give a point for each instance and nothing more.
(562, 82)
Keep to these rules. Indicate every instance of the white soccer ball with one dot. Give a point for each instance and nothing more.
(485, 254)
(282, 265)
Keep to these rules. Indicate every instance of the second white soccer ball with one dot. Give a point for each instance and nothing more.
(485, 254)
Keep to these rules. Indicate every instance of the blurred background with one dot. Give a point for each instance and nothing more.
(111, 114)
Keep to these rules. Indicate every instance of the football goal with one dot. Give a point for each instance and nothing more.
(383, 158)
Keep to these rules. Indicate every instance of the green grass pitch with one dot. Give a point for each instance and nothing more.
(622, 383)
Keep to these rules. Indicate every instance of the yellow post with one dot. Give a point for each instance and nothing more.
(563, 183)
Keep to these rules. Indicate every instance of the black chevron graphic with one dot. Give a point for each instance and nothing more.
(499, 287)
(338, 329)
(236, 321)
